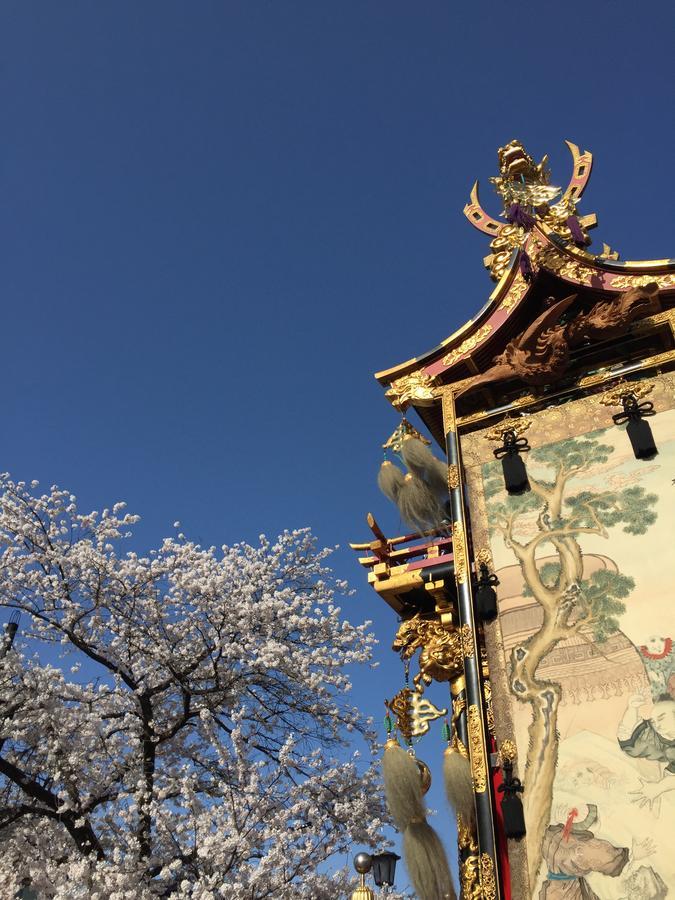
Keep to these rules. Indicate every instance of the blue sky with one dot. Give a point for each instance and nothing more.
(217, 219)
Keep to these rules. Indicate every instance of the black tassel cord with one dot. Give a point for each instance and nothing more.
(513, 467)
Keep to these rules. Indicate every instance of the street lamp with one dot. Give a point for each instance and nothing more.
(384, 869)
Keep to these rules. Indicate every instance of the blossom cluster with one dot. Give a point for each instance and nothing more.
(176, 723)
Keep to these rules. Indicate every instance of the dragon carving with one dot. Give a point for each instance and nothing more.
(541, 354)
(442, 652)
(611, 318)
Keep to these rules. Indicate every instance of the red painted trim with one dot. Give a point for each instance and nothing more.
(502, 843)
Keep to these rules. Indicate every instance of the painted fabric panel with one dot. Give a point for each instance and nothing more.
(582, 657)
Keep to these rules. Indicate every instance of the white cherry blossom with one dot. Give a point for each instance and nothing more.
(175, 723)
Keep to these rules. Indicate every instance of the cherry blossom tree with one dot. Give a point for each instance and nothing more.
(175, 723)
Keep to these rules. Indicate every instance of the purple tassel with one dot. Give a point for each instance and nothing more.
(525, 265)
(578, 236)
(516, 215)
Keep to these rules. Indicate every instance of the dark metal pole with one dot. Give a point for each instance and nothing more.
(475, 713)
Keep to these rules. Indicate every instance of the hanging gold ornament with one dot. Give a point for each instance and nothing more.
(404, 430)
(413, 712)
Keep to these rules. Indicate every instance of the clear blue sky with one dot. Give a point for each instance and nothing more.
(217, 219)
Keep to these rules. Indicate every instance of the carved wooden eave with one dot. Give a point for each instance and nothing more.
(560, 270)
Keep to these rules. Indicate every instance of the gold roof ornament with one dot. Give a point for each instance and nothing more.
(417, 387)
(413, 712)
(521, 180)
(531, 202)
(401, 432)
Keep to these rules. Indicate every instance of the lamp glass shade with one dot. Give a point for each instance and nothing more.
(384, 868)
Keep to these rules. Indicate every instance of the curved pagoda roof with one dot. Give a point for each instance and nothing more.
(539, 253)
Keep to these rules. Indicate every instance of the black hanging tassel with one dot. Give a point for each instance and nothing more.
(512, 805)
(486, 596)
(639, 432)
(515, 474)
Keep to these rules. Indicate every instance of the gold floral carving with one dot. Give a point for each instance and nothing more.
(466, 836)
(667, 279)
(469, 878)
(487, 877)
(596, 378)
(489, 710)
(469, 867)
(658, 360)
(466, 640)
(459, 552)
(441, 656)
(453, 477)
(614, 396)
(417, 387)
(517, 426)
(469, 344)
(561, 264)
(478, 768)
(646, 325)
(448, 408)
(509, 238)
(476, 874)
(515, 293)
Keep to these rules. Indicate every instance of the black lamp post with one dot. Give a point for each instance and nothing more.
(384, 868)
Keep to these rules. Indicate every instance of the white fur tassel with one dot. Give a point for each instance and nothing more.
(427, 863)
(425, 857)
(459, 785)
(402, 785)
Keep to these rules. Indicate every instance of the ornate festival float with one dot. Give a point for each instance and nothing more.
(536, 576)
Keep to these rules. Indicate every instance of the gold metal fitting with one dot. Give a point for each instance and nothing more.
(508, 750)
